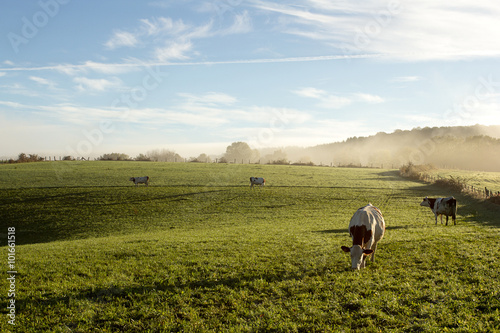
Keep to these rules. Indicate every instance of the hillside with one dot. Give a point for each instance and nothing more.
(200, 251)
(463, 147)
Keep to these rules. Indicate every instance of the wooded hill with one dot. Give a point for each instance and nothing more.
(463, 147)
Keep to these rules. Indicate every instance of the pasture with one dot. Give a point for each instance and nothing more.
(478, 179)
(199, 250)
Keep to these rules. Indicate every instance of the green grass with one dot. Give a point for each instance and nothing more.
(478, 179)
(198, 250)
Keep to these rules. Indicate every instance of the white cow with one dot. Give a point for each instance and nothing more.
(442, 206)
(140, 180)
(367, 227)
(257, 181)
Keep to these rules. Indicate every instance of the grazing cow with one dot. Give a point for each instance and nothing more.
(257, 181)
(367, 227)
(442, 206)
(140, 180)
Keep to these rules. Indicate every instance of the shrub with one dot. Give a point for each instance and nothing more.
(453, 183)
(414, 171)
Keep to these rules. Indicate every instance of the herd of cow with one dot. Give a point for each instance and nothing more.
(367, 225)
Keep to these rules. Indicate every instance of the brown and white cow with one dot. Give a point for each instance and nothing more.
(140, 180)
(367, 227)
(442, 206)
(257, 181)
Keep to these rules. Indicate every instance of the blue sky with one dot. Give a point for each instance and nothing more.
(84, 78)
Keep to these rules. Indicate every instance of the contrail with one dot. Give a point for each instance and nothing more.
(93, 65)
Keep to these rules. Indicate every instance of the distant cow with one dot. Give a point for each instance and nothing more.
(257, 181)
(140, 180)
(367, 227)
(442, 206)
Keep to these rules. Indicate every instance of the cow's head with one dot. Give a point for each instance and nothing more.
(132, 179)
(358, 256)
(426, 202)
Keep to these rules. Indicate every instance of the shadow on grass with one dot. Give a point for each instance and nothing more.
(36, 221)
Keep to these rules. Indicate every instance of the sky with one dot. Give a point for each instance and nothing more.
(85, 78)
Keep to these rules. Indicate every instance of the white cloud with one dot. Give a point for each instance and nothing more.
(423, 30)
(122, 38)
(332, 101)
(368, 98)
(176, 35)
(86, 84)
(156, 26)
(405, 79)
(173, 51)
(42, 81)
(241, 24)
(310, 92)
(211, 98)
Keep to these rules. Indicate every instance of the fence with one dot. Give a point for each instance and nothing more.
(459, 183)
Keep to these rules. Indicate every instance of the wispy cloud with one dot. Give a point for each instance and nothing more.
(122, 38)
(176, 36)
(369, 98)
(173, 51)
(126, 66)
(310, 92)
(405, 79)
(43, 81)
(85, 84)
(336, 101)
(424, 30)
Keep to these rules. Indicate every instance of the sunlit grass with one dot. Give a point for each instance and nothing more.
(198, 250)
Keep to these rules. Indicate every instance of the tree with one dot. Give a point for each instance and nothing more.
(277, 157)
(241, 151)
(114, 157)
(203, 158)
(163, 155)
(142, 157)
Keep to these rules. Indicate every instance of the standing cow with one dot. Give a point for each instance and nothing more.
(257, 181)
(140, 180)
(442, 206)
(367, 227)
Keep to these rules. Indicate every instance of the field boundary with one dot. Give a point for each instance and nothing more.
(456, 183)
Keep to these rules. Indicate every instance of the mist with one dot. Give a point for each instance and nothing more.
(462, 147)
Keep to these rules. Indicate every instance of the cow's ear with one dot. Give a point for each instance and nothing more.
(345, 249)
(367, 252)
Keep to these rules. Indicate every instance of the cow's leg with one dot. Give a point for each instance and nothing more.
(436, 220)
(374, 248)
(454, 218)
(446, 219)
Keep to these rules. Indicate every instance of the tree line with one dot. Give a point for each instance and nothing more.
(462, 147)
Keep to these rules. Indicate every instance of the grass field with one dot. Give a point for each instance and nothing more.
(198, 250)
(478, 179)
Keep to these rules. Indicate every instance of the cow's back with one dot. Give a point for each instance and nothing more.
(371, 218)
